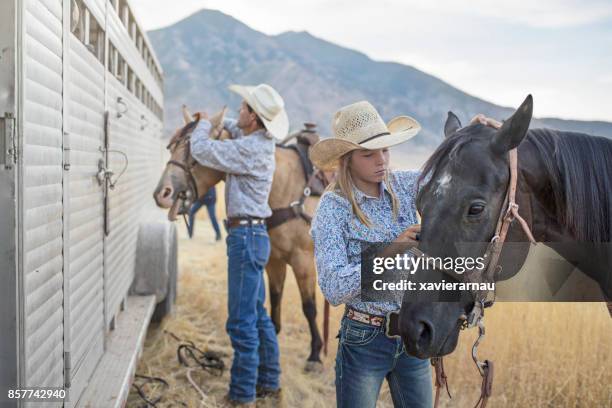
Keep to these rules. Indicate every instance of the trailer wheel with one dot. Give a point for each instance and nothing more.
(156, 266)
(166, 306)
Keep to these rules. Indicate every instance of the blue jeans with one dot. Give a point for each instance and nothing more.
(366, 356)
(211, 214)
(252, 334)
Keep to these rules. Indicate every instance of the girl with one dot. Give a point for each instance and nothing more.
(367, 203)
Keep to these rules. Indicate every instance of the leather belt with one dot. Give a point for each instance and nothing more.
(390, 322)
(244, 221)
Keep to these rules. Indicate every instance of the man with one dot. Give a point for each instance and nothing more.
(248, 160)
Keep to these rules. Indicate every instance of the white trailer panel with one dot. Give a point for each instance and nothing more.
(132, 198)
(41, 197)
(83, 213)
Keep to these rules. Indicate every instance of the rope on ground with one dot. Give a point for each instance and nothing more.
(207, 360)
(194, 385)
(150, 402)
(188, 353)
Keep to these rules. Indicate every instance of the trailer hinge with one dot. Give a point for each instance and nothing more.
(66, 158)
(8, 141)
(67, 369)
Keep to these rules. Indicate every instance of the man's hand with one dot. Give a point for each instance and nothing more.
(483, 120)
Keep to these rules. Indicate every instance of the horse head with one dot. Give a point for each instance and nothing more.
(464, 186)
(184, 180)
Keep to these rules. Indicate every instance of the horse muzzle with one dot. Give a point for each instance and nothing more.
(164, 196)
(177, 203)
(423, 335)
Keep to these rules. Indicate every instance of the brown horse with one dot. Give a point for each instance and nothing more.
(183, 179)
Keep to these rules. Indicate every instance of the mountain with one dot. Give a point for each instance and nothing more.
(204, 53)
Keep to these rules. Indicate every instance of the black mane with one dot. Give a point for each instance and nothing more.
(579, 167)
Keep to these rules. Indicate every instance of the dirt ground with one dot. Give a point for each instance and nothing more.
(546, 355)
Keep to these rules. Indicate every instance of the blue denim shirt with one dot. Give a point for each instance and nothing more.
(248, 161)
(338, 234)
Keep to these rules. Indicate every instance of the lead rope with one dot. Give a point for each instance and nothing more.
(441, 378)
(487, 384)
(326, 326)
(485, 368)
(187, 225)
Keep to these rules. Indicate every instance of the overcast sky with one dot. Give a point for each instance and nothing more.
(499, 50)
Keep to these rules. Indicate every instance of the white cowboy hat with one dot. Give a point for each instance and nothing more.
(359, 126)
(268, 105)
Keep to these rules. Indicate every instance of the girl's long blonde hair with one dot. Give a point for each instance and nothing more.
(344, 185)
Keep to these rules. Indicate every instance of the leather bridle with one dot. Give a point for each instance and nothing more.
(187, 169)
(509, 213)
(186, 165)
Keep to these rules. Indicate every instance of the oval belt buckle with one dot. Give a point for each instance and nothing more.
(392, 325)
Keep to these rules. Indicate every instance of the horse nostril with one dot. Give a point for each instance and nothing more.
(424, 335)
(167, 192)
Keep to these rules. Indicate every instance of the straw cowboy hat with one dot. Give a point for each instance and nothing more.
(268, 105)
(359, 126)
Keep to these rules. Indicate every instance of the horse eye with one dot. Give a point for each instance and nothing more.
(476, 209)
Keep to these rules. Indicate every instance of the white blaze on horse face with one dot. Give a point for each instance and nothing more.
(443, 184)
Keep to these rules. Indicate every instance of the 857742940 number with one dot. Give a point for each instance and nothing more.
(37, 394)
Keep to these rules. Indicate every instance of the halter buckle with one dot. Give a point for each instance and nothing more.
(297, 207)
(474, 316)
(512, 207)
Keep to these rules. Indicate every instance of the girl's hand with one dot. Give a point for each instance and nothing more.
(405, 241)
(483, 120)
(410, 234)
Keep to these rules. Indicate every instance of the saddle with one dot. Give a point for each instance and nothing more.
(315, 180)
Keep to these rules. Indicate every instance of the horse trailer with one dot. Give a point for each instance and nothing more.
(81, 150)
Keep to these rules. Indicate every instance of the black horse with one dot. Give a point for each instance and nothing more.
(564, 194)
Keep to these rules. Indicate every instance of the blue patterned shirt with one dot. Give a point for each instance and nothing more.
(338, 234)
(248, 162)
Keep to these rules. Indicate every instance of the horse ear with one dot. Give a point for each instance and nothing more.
(187, 118)
(217, 119)
(217, 123)
(514, 129)
(452, 124)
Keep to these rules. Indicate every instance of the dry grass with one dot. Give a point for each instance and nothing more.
(555, 355)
